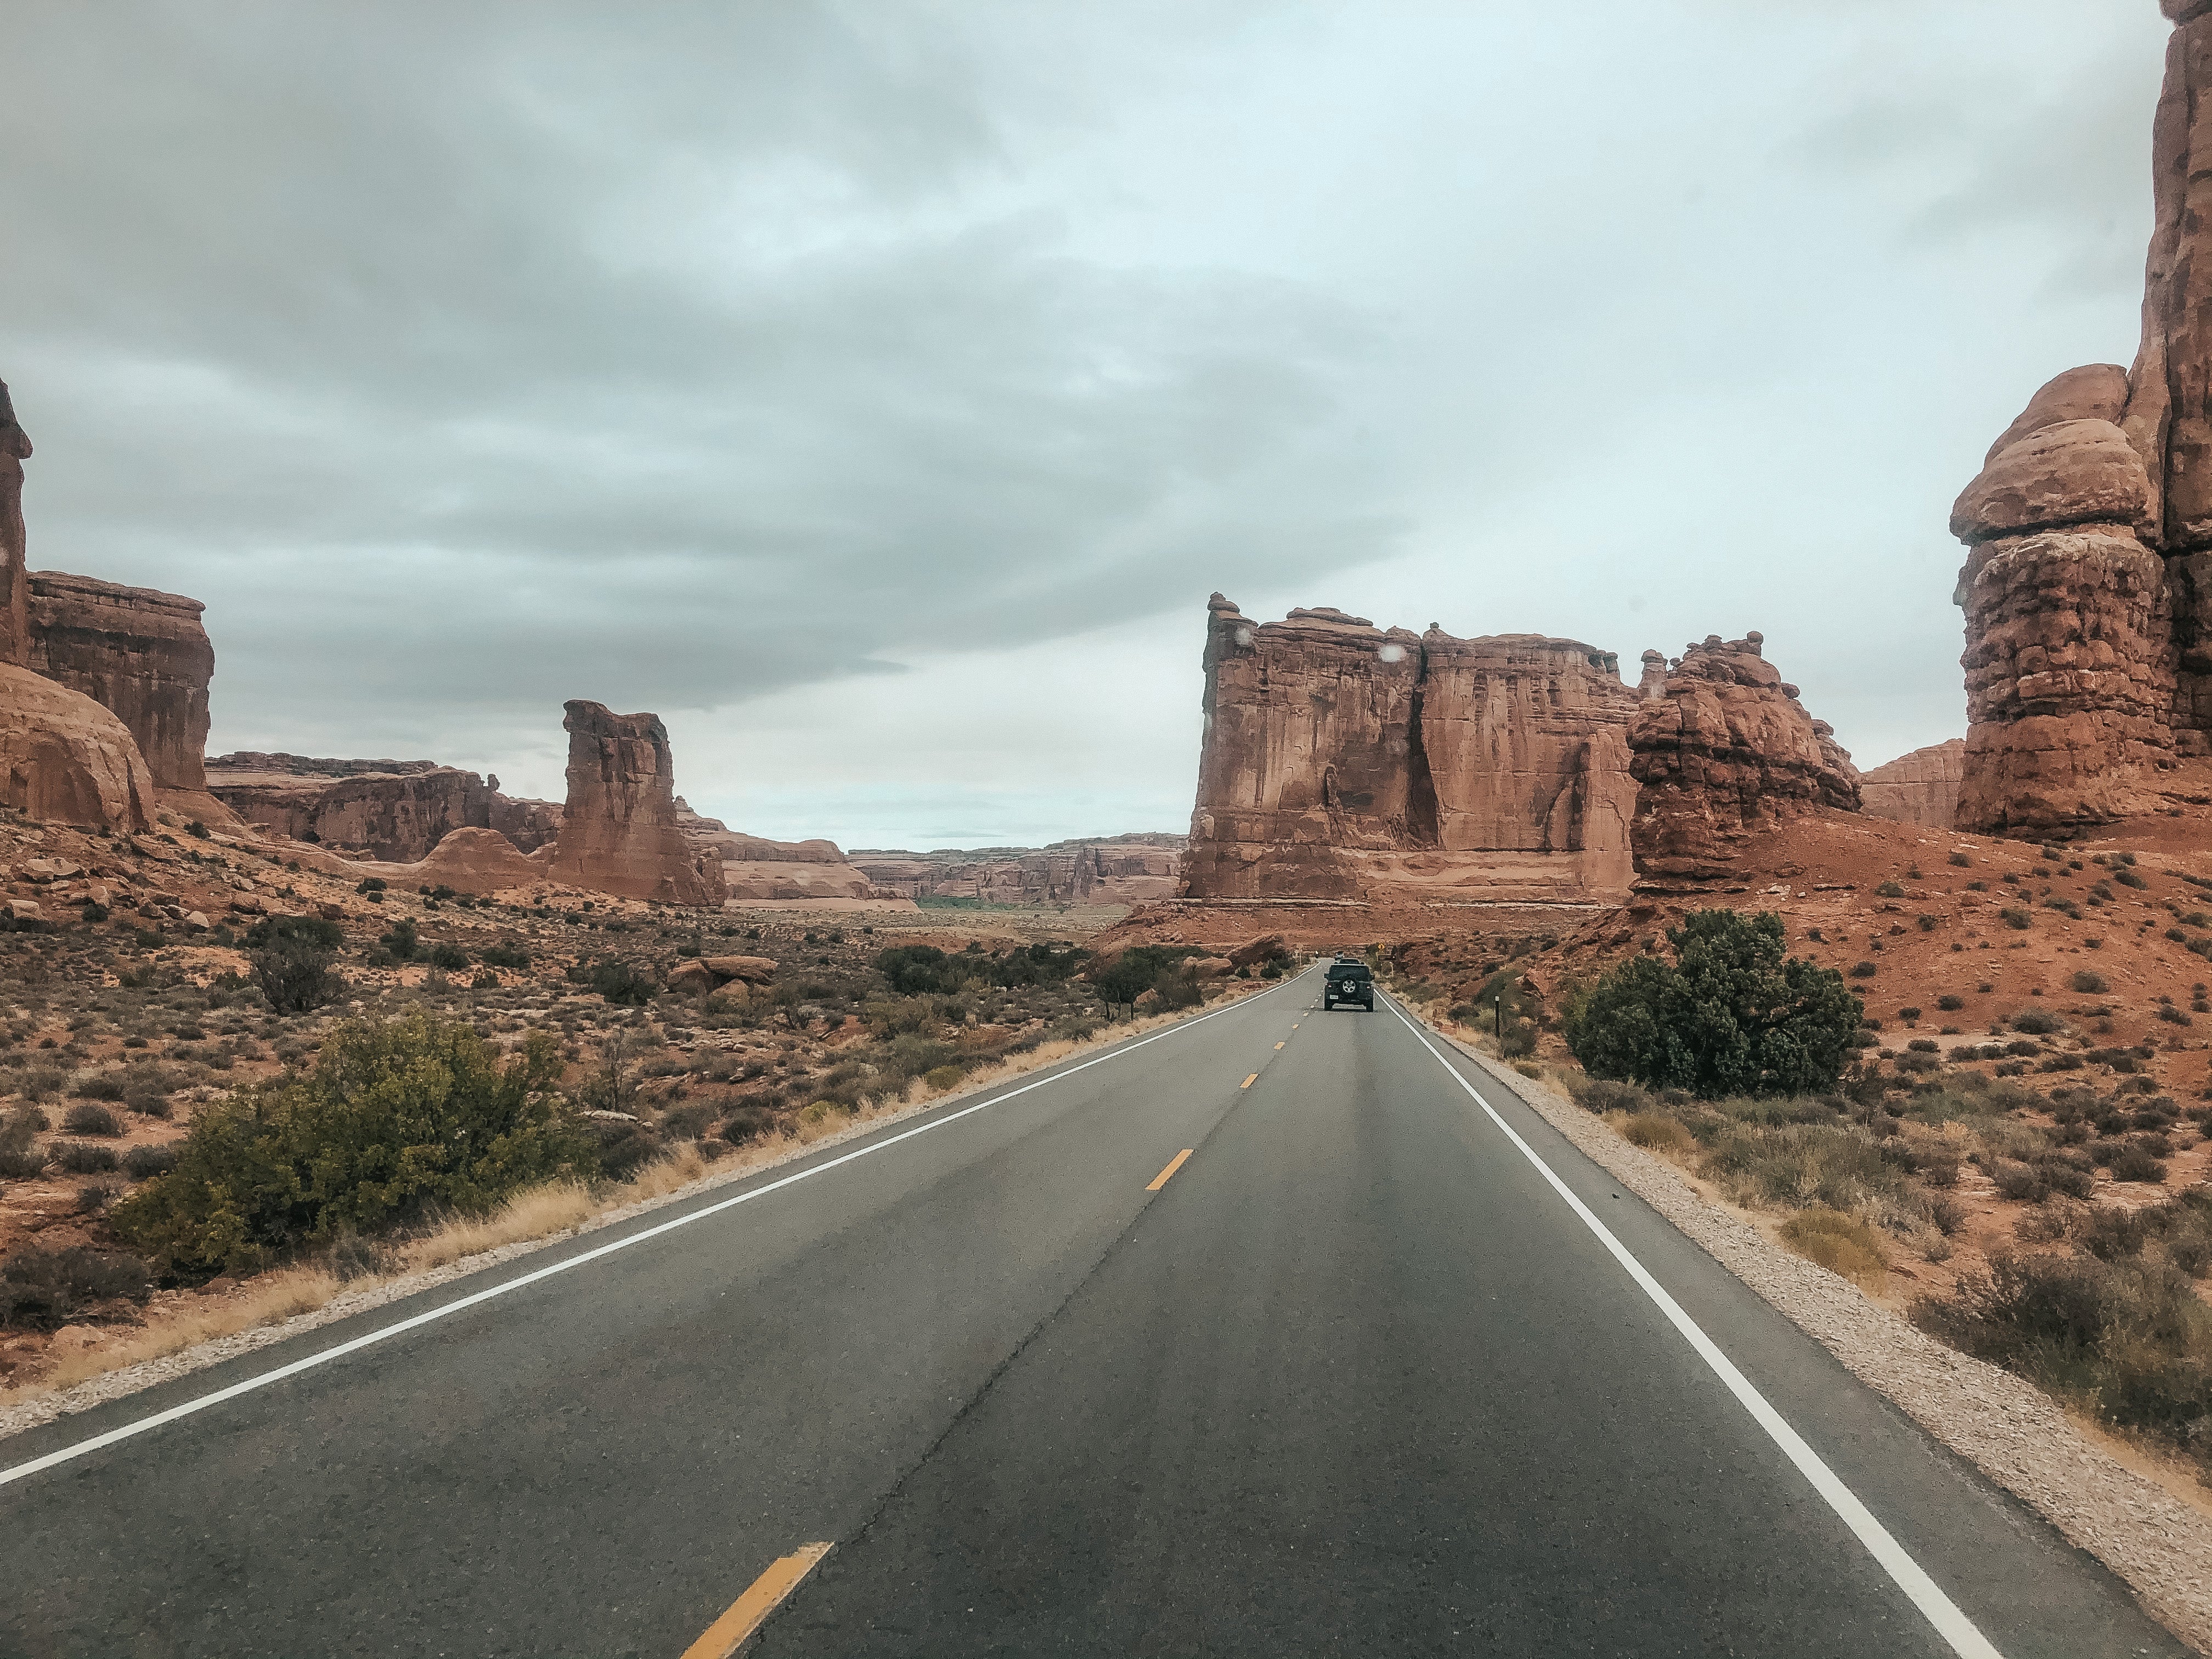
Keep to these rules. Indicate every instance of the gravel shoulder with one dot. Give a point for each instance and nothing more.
(2010, 1430)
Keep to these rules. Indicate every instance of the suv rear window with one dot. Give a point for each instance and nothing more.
(1350, 970)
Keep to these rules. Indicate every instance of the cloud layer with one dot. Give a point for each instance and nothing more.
(812, 373)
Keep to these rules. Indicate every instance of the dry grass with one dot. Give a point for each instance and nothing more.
(1654, 1132)
(534, 1212)
(278, 1297)
(1842, 1243)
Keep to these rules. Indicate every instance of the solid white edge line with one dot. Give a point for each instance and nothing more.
(1952, 1625)
(145, 1424)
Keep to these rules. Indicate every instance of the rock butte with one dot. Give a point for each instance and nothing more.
(2088, 584)
(1921, 787)
(1343, 761)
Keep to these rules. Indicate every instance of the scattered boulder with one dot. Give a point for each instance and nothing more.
(1253, 952)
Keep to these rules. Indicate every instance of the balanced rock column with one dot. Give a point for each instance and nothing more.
(619, 832)
(1724, 754)
(2069, 661)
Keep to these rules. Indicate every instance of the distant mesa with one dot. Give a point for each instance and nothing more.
(1103, 870)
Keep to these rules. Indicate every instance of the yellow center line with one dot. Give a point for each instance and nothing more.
(1280, 1044)
(749, 1611)
(1158, 1181)
(1249, 1081)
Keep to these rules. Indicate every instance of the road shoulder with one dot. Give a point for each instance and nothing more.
(2004, 1426)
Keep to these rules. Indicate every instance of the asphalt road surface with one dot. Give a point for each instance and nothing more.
(1376, 1369)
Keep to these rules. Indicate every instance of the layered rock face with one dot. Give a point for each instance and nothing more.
(618, 827)
(1921, 787)
(394, 811)
(1722, 754)
(395, 817)
(141, 653)
(1344, 760)
(1130, 869)
(2088, 587)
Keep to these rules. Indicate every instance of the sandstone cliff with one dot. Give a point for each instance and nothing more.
(1127, 869)
(1343, 761)
(2087, 588)
(1724, 754)
(394, 811)
(395, 817)
(141, 653)
(1921, 787)
(618, 827)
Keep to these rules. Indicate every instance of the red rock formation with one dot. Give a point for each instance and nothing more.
(1921, 787)
(395, 811)
(618, 829)
(530, 824)
(1341, 760)
(397, 817)
(1129, 869)
(14, 570)
(141, 653)
(2089, 589)
(1724, 755)
(64, 759)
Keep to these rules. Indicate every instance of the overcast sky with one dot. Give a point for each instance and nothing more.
(876, 391)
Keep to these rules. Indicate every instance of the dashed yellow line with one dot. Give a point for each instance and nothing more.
(1158, 1181)
(1280, 1044)
(763, 1596)
(1249, 1081)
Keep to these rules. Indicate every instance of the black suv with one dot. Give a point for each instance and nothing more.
(1349, 981)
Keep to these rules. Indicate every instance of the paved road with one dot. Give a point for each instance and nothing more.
(1356, 1379)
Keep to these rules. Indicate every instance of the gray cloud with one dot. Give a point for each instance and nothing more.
(471, 360)
(755, 364)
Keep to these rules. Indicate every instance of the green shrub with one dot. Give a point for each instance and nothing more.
(2129, 878)
(21, 1158)
(618, 982)
(504, 955)
(2090, 984)
(1950, 1005)
(84, 1156)
(395, 1118)
(1862, 971)
(292, 961)
(88, 1117)
(2015, 917)
(1729, 1016)
(450, 957)
(401, 940)
(1889, 889)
